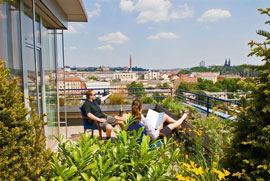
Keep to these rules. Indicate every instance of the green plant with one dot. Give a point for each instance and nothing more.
(148, 100)
(117, 99)
(23, 153)
(124, 159)
(249, 153)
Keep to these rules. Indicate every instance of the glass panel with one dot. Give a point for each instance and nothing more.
(4, 32)
(37, 26)
(31, 74)
(28, 24)
(50, 84)
(15, 60)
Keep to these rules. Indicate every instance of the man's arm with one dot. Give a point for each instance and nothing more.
(105, 97)
(93, 117)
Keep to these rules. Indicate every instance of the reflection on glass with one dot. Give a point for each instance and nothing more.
(50, 85)
(3, 32)
(28, 23)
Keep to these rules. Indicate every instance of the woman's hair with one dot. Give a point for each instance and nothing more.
(136, 107)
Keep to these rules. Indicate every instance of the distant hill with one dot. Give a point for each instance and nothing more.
(233, 70)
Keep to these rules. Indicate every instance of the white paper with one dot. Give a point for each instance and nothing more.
(155, 118)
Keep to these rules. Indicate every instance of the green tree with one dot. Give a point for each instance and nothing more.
(249, 152)
(136, 89)
(23, 153)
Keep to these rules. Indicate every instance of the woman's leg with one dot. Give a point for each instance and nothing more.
(167, 119)
(177, 123)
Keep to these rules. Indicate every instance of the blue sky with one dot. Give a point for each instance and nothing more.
(165, 33)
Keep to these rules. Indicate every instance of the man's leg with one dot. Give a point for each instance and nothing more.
(108, 131)
(121, 124)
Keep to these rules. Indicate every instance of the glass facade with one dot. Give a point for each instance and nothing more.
(30, 51)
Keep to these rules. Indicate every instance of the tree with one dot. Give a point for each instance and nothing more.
(136, 88)
(249, 152)
(23, 153)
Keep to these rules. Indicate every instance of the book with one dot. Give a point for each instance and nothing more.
(155, 118)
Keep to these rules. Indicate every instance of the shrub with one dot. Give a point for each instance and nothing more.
(123, 159)
(148, 100)
(117, 99)
(249, 154)
(23, 153)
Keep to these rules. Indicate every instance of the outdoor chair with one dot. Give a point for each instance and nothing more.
(90, 126)
(136, 126)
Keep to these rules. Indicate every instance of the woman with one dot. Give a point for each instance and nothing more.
(161, 132)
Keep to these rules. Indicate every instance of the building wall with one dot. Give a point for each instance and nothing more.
(31, 54)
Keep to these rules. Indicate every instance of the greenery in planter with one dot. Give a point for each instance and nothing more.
(148, 100)
(124, 159)
(178, 108)
(23, 153)
(117, 99)
(249, 152)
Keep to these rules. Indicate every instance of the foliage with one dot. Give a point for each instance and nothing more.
(4, 1)
(135, 89)
(148, 100)
(249, 154)
(124, 159)
(178, 108)
(117, 99)
(92, 78)
(23, 153)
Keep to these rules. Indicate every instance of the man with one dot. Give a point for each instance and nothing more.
(92, 110)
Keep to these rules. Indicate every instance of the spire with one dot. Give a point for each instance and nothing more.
(225, 62)
(229, 63)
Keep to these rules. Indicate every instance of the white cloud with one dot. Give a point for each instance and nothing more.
(164, 35)
(156, 10)
(71, 30)
(117, 37)
(212, 15)
(127, 5)
(95, 12)
(105, 47)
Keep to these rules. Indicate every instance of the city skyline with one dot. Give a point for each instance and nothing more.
(164, 34)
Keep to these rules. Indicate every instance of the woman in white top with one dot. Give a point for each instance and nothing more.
(151, 131)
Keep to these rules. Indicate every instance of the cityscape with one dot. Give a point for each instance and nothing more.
(134, 90)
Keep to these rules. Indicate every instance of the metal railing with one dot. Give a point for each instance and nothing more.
(206, 100)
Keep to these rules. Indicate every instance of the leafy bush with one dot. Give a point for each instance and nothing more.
(249, 154)
(148, 100)
(117, 99)
(124, 159)
(23, 153)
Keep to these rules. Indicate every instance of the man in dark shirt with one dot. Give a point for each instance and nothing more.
(92, 110)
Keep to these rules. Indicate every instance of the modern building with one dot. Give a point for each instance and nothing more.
(31, 34)
(202, 64)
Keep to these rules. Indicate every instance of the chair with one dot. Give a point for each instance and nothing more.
(136, 126)
(88, 125)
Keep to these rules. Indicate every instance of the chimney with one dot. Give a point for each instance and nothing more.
(130, 63)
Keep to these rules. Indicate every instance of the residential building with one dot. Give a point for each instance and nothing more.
(206, 75)
(152, 75)
(72, 85)
(30, 35)
(220, 95)
(125, 76)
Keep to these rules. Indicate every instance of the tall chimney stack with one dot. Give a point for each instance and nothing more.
(130, 63)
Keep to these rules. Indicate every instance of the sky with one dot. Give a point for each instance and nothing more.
(165, 34)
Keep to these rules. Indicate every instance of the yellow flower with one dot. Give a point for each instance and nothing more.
(199, 171)
(207, 169)
(214, 164)
(186, 156)
(226, 172)
(180, 177)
